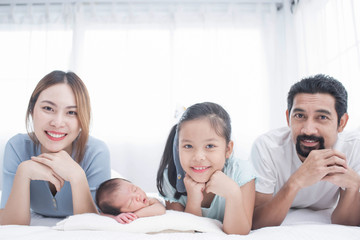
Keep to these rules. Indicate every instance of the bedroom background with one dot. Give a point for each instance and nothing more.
(143, 61)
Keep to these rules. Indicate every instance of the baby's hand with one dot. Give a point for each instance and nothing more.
(125, 217)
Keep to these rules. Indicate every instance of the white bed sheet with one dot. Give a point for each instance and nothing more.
(288, 232)
(299, 224)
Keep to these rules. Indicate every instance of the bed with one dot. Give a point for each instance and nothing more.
(299, 224)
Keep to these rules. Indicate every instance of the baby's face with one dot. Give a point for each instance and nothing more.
(130, 198)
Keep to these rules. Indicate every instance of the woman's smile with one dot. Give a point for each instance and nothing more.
(55, 136)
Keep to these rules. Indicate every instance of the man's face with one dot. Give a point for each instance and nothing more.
(314, 122)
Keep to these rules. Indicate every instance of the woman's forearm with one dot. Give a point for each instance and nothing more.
(17, 208)
(82, 199)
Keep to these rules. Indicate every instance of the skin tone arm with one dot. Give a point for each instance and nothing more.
(347, 211)
(174, 206)
(155, 208)
(193, 204)
(194, 195)
(69, 170)
(271, 211)
(239, 202)
(17, 208)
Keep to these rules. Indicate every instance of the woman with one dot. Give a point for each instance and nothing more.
(57, 151)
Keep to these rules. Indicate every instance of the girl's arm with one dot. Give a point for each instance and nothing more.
(17, 208)
(69, 170)
(155, 208)
(239, 202)
(240, 222)
(194, 196)
(174, 206)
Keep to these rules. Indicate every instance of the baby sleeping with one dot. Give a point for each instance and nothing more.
(120, 199)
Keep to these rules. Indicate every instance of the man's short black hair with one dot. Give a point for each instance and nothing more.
(321, 84)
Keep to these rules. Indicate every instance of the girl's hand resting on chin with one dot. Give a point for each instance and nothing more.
(220, 184)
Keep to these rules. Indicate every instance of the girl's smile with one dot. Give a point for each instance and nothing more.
(200, 169)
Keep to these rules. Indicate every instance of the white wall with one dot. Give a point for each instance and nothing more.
(141, 66)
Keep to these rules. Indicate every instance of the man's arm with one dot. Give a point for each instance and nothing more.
(155, 208)
(347, 211)
(271, 210)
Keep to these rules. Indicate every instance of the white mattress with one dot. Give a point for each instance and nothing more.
(299, 224)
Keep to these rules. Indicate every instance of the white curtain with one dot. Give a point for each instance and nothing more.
(328, 41)
(145, 62)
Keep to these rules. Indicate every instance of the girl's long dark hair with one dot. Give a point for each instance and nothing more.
(219, 120)
(167, 161)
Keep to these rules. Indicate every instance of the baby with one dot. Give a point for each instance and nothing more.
(120, 199)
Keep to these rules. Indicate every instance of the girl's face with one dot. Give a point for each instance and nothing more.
(201, 150)
(55, 120)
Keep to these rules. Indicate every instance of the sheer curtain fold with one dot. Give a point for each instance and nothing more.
(141, 62)
(328, 42)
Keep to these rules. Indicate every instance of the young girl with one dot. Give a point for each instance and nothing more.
(198, 175)
(57, 151)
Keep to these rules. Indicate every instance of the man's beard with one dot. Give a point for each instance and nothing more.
(305, 151)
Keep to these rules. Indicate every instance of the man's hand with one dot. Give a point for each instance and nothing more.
(348, 180)
(319, 164)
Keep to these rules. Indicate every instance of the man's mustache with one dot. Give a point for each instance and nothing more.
(310, 137)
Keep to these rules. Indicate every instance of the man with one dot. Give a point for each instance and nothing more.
(310, 162)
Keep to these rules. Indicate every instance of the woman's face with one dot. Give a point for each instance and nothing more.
(55, 120)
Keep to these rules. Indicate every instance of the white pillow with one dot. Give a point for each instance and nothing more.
(171, 221)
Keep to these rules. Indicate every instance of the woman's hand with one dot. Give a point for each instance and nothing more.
(69, 170)
(17, 208)
(61, 163)
(38, 171)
